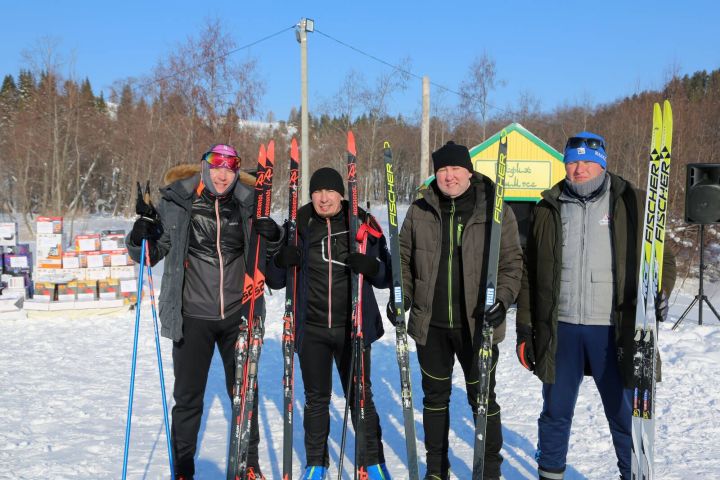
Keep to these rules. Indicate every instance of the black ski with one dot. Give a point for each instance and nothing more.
(401, 341)
(288, 336)
(485, 351)
(356, 381)
(253, 324)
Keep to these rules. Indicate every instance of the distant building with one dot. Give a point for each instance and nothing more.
(532, 166)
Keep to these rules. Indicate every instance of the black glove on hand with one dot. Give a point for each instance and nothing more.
(147, 229)
(363, 264)
(288, 256)
(390, 309)
(496, 315)
(524, 348)
(143, 205)
(148, 226)
(268, 229)
(661, 307)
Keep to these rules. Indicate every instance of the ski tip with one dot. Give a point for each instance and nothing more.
(270, 153)
(351, 143)
(294, 149)
(386, 145)
(503, 136)
(261, 155)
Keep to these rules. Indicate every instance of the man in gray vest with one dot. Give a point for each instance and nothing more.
(576, 309)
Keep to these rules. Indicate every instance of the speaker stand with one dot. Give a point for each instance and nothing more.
(700, 297)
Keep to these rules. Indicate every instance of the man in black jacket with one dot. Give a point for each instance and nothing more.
(324, 313)
(201, 229)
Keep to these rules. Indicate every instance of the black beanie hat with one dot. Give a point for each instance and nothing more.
(452, 155)
(327, 178)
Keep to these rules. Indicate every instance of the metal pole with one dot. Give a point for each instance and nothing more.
(701, 294)
(425, 131)
(305, 25)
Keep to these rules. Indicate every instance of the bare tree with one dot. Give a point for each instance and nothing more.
(481, 80)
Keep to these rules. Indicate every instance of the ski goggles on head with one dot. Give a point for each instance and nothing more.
(218, 160)
(577, 142)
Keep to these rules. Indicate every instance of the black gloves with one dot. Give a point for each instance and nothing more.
(390, 309)
(363, 264)
(524, 347)
(288, 256)
(661, 307)
(145, 229)
(148, 226)
(268, 229)
(496, 315)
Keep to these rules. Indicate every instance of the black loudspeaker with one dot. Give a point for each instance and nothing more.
(702, 193)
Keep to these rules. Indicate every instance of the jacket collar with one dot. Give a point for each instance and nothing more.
(182, 190)
(484, 189)
(618, 185)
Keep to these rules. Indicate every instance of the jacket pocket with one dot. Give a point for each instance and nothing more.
(601, 283)
(567, 298)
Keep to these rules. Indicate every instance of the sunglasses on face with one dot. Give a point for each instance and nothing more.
(577, 142)
(217, 160)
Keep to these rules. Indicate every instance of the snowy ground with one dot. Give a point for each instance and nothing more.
(64, 386)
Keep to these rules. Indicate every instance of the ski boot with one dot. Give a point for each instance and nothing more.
(378, 472)
(314, 472)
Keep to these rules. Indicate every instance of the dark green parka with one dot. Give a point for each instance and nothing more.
(420, 246)
(538, 299)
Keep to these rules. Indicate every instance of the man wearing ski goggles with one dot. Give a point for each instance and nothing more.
(220, 160)
(596, 143)
(576, 308)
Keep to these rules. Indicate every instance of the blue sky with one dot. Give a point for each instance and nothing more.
(560, 52)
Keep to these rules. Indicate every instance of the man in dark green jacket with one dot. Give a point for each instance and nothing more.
(576, 309)
(444, 264)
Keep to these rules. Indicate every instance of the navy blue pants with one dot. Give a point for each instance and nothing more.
(579, 346)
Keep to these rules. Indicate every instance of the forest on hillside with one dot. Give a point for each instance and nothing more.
(65, 150)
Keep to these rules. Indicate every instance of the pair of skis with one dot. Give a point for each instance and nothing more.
(397, 297)
(356, 375)
(288, 334)
(485, 350)
(359, 234)
(252, 324)
(649, 285)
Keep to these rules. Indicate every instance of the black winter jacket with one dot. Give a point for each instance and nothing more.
(376, 247)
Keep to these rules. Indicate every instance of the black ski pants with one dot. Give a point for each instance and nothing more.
(436, 359)
(191, 364)
(322, 345)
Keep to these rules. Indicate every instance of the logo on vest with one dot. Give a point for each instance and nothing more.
(605, 221)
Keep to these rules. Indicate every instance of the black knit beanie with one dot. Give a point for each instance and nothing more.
(327, 178)
(452, 155)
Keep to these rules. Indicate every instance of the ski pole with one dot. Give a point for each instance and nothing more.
(159, 357)
(348, 385)
(134, 361)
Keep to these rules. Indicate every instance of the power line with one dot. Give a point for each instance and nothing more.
(216, 58)
(411, 74)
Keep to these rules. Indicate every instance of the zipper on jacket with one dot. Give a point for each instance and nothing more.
(450, 260)
(220, 258)
(330, 260)
(583, 287)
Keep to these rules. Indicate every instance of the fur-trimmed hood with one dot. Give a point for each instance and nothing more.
(188, 170)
